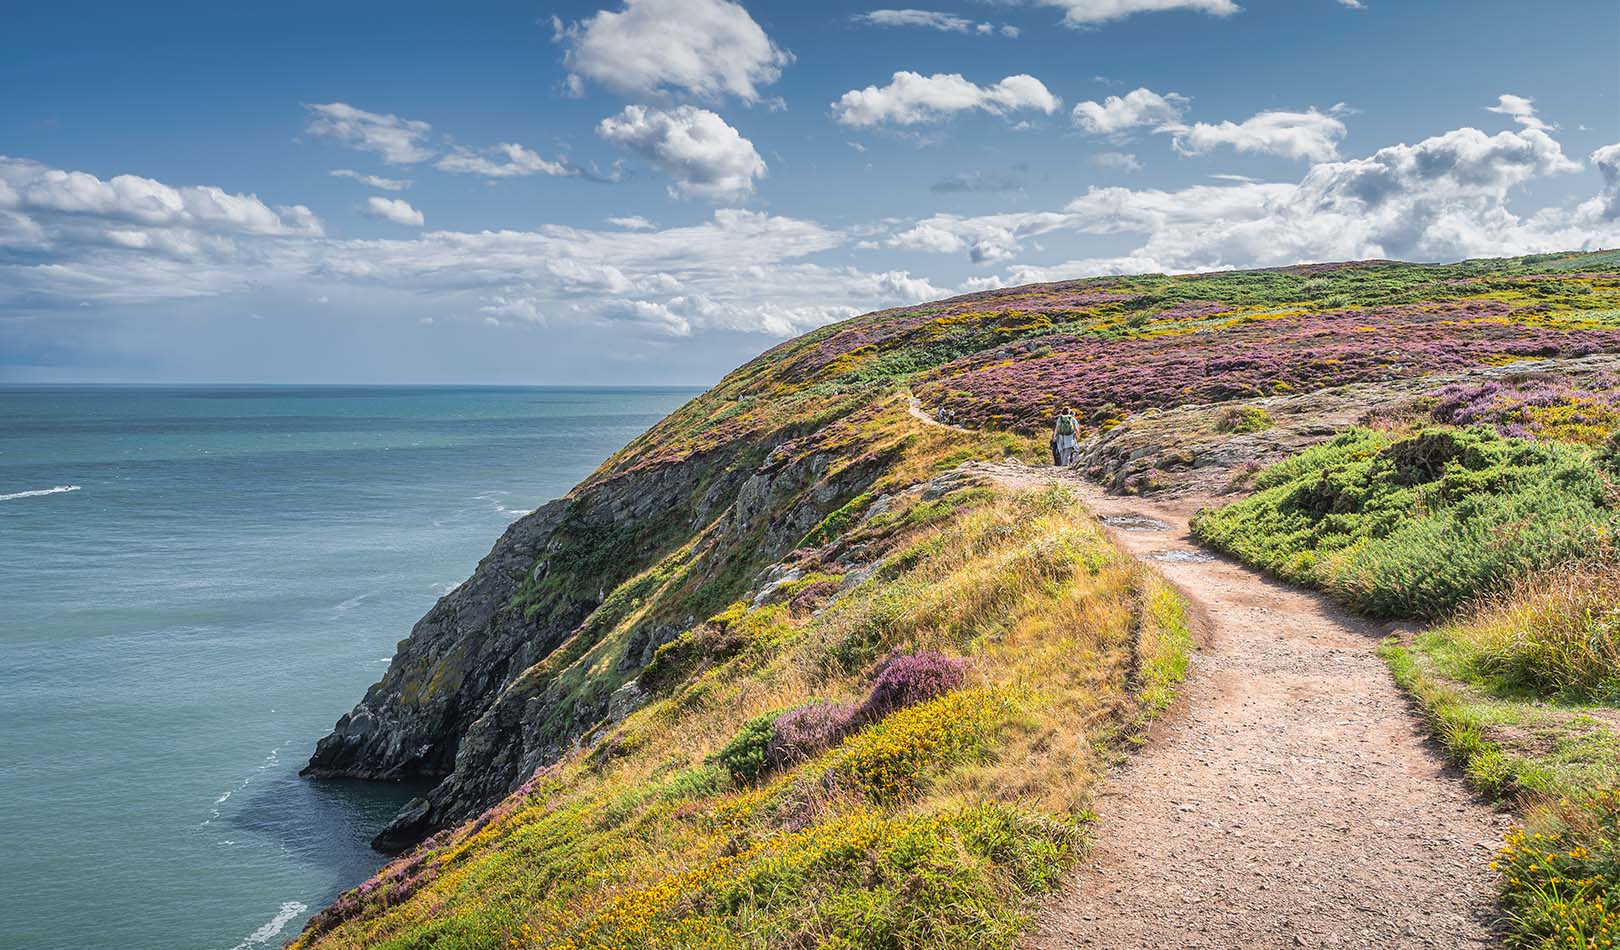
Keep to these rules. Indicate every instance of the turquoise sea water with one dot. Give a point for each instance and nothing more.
(230, 570)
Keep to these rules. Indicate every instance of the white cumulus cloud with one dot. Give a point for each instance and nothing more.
(1521, 110)
(1310, 135)
(374, 181)
(74, 198)
(1139, 108)
(709, 48)
(392, 209)
(911, 99)
(1119, 161)
(934, 20)
(706, 157)
(397, 141)
(1443, 198)
(1605, 206)
(507, 160)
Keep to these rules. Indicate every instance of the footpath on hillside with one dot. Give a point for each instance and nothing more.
(1291, 799)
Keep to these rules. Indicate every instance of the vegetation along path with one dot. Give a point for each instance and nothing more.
(1294, 799)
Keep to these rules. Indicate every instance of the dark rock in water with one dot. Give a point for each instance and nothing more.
(407, 828)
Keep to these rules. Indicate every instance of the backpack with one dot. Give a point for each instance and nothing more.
(1065, 424)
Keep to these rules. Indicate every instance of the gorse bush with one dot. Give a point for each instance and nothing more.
(744, 756)
(1562, 881)
(888, 761)
(1416, 526)
(1239, 419)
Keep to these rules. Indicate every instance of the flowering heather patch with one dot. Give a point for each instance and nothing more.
(1542, 409)
(1192, 310)
(1018, 386)
(906, 679)
(802, 733)
(874, 333)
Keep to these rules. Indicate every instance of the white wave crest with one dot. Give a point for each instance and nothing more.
(39, 491)
(273, 926)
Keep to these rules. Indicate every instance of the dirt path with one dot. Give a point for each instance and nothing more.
(1291, 800)
(921, 415)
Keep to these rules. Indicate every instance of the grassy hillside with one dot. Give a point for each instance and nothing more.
(1505, 532)
(841, 761)
(798, 668)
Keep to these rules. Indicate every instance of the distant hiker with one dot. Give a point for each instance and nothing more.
(1065, 436)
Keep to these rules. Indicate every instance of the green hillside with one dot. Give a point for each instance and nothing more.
(801, 666)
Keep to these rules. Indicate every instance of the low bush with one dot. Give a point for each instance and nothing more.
(744, 756)
(1239, 419)
(888, 761)
(802, 733)
(1562, 876)
(1414, 527)
(906, 679)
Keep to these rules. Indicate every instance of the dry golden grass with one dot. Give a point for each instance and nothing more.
(932, 827)
(1555, 634)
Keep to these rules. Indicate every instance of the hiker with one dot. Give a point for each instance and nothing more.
(1065, 435)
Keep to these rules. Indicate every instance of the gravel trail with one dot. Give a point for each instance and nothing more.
(1290, 800)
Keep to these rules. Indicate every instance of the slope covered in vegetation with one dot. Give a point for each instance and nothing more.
(1505, 531)
(837, 762)
(796, 665)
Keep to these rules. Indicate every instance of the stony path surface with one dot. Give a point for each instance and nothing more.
(1291, 800)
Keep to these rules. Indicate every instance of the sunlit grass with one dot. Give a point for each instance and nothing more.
(933, 825)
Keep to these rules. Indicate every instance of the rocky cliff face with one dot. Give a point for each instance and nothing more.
(507, 671)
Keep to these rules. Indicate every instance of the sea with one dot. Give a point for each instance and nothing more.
(195, 583)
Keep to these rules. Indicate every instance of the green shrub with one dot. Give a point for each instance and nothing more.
(1239, 419)
(744, 755)
(835, 524)
(1413, 527)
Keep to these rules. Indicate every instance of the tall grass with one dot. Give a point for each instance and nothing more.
(1554, 634)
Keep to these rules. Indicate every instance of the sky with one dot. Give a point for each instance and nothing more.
(654, 191)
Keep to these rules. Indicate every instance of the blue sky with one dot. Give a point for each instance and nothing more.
(651, 191)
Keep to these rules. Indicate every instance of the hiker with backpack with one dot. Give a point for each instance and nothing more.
(1065, 437)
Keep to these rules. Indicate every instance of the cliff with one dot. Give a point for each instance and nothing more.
(823, 660)
(509, 671)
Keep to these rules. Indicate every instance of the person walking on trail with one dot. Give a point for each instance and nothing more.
(1065, 437)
